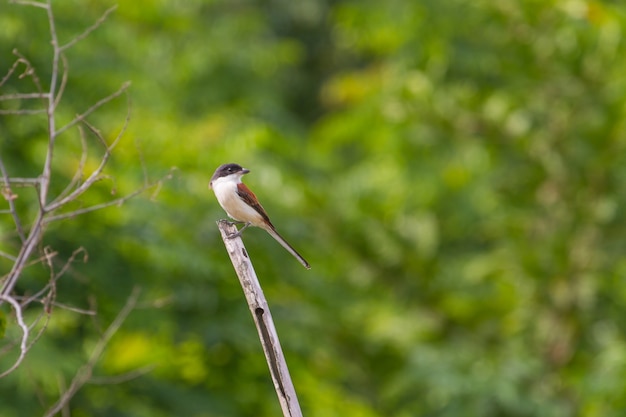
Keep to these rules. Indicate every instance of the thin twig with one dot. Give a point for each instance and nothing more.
(24, 342)
(26, 250)
(10, 72)
(29, 71)
(48, 256)
(52, 134)
(22, 112)
(90, 29)
(81, 165)
(85, 372)
(22, 96)
(7, 255)
(30, 3)
(32, 262)
(118, 379)
(79, 118)
(20, 182)
(95, 175)
(117, 202)
(64, 77)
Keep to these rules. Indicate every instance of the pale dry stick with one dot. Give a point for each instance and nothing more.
(85, 372)
(262, 319)
(25, 332)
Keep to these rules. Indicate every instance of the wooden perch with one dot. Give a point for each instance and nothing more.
(262, 319)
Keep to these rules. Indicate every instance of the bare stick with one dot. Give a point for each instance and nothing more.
(262, 319)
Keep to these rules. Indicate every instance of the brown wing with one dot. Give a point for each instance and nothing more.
(249, 198)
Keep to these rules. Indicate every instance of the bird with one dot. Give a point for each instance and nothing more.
(242, 205)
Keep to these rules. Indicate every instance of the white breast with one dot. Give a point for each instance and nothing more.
(225, 190)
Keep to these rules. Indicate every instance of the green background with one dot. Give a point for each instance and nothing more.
(454, 171)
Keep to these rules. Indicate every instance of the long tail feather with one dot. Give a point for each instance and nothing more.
(287, 246)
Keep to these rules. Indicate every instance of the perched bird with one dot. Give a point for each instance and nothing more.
(242, 205)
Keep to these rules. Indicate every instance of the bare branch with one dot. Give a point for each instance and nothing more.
(50, 208)
(116, 202)
(30, 3)
(20, 182)
(29, 70)
(25, 332)
(10, 72)
(8, 256)
(85, 372)
(23, 96)
(25, 252)
(22, 112)
(109, 380)
(33, 262)
(64, 77)
(90, 29)
(95, 175)
(81, 117)
(48, 256)
(74, 309)
(52, 135)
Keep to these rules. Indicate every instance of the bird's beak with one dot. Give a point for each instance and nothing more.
(245, 171)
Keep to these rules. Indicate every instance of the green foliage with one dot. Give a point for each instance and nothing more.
(452, 170)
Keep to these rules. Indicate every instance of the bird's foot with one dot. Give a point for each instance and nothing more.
(238, 233)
